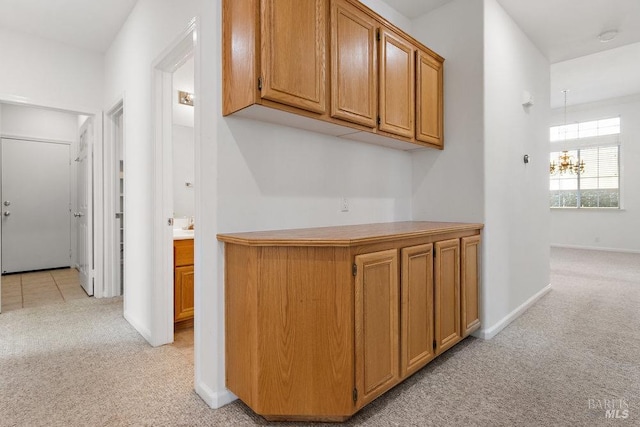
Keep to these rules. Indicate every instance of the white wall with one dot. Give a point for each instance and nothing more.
(38, 123)
(516, 237)
(48, 73)
(606, 228)
(389, 13)
(183, 171)
(480, 176)
(448, 184)
(183, 81)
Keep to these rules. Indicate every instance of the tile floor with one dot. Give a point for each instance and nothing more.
(38, 288)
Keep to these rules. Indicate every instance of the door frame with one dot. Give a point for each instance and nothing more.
(98, 224)
(111, 246)
(176, 54)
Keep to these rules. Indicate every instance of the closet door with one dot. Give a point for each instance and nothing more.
(36, 217)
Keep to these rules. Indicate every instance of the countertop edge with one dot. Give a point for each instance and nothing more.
(238, 239)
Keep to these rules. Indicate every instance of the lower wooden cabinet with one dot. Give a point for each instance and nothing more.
(417, 308)
(377, 301)
(183, 281)
(320, 322)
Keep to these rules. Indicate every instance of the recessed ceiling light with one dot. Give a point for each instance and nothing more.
(607, 36)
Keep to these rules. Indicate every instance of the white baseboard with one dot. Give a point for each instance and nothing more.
(488, 333)
(215, 399)
(146, 333)
(596, 248)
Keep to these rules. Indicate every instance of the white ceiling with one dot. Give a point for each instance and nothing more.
(566, 32)
(565, 29)
(87, 24)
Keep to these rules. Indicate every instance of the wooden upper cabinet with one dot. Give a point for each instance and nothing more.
(397, 84)
(447, 294)
(294, 63)
(354, 74)
(417, 308)
(429, 99)
(376, 324)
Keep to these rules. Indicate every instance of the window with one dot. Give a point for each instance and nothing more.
(598, 186)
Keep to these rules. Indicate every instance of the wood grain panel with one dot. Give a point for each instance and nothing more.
(397, 84)
(417, 308)
(182, 252)
(305, 332)
(294, 39)
(354, 74)
(183, 293)
(469, 286)
(447, 294)
(241, 312)
(376, 321)
(240, 53)
(429, 100)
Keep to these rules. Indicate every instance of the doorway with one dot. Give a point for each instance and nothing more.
(114, 206)
(47, 201)
(36, 228)
(164, 302)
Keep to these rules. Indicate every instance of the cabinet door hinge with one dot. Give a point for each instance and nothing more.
(378, 119)
(354, 269)
(259, 83)
(355, 394)
(378, 34)
(434, 344)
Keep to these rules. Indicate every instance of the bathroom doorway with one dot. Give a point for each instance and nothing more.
(174, 145)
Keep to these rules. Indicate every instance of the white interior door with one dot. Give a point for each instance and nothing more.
(83, 213)
(36, 229)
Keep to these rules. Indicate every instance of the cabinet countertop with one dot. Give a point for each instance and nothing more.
(346, 235)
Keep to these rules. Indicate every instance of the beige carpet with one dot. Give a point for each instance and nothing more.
(580, 345)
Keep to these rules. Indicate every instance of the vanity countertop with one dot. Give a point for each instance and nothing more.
(180, 234)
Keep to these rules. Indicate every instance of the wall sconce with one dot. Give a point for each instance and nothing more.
(185, 98)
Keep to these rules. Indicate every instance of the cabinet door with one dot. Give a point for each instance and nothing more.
(429, 108)
(469, 286)
(417, 308)
(183, 293)
(397, 83)
(354, 74)
(447, 294)
(376, 322)
(294, 38)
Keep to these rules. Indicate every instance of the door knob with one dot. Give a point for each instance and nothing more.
(7, 203)
(6, 213)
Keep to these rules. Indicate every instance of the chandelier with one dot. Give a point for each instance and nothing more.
(566, 163)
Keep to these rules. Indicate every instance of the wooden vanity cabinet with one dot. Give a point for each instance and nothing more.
(320, 322)
(183, 281)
